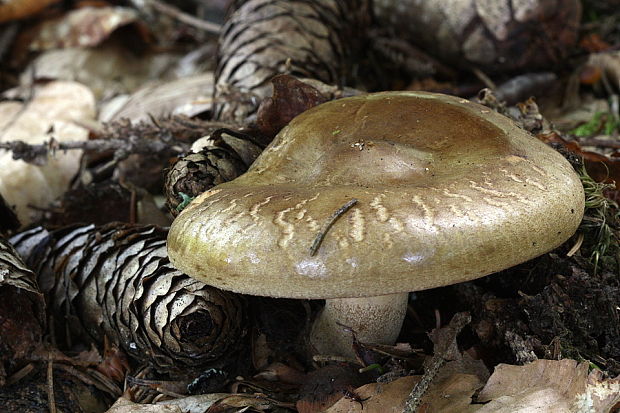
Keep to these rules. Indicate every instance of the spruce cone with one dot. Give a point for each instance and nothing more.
(22, 309)
(116, 280)
(262, 38)
(224, 158)
(496, 35)
(197, 172)
(13, 271)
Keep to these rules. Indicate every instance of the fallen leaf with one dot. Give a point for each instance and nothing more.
(244, 401)
(108, 70)
(202, 403)
(381, 397)
(600, 167)
(124, 405)
(541, 374)
(56, 110)
(548, 386)
(186, 96)
(601, 395)
(452, 394)
(195, 404)
(290, 98)
(83, 27)
(325, 386)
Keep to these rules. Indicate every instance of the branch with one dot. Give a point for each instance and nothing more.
(38, 153)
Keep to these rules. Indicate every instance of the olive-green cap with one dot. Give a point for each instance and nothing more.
(443, 191)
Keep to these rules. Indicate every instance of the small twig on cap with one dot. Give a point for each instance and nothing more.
(319, 238)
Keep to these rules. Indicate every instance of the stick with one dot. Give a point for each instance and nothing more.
(36, 153)
(50, 384)
(414, 399)
(188, 19)
(319, 238)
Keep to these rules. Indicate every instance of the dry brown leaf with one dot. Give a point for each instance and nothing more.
(243, 401)
(84, 27)
(601, 168)
(545, 386)
(108, 70)
(601, 395)
(186, 96)
(548, 386)
(290, 98)
(124, 405)
(56, 110)
(382, 397)
(451, 394)
(323, 387)
(195, 404)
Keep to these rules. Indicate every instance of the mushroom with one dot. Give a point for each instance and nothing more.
(421, 190)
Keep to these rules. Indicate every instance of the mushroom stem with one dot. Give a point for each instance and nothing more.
(376, 320)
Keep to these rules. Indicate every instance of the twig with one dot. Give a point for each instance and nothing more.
(92, 378)
(185, 18)
(20, 374)
(324, 358)
(484, 79)
(122, 147)
(319, 238)
(50, 384)
(414, 399)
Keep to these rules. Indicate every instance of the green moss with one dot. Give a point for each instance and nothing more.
(600, 221)
(601, 123)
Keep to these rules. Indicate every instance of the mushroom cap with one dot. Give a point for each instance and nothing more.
(447, 191)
